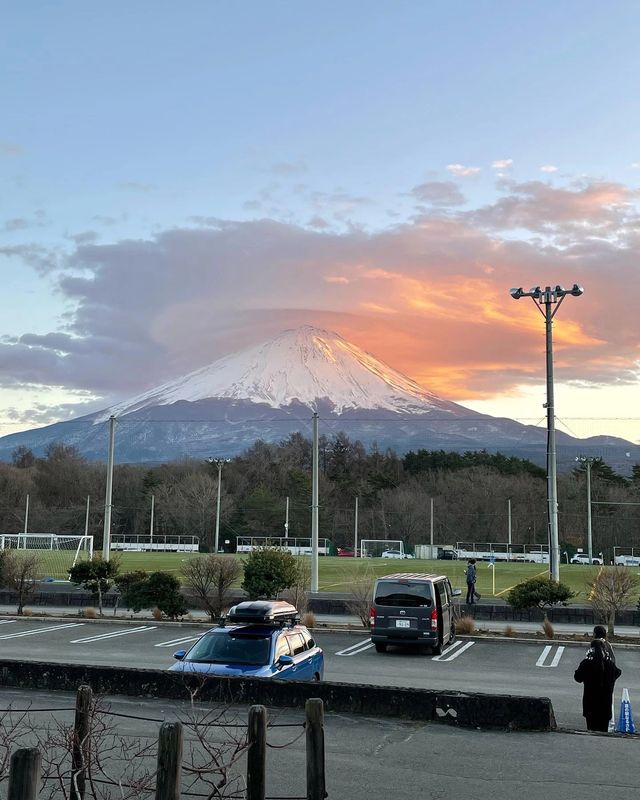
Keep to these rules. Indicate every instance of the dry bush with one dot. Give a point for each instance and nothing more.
(309, 619)
(360, 592)
(612, 589)
(465, 625)
(548, 628)
(156, 614)
(509, 631)
(89, 613)
(298, 593)
(210, 578)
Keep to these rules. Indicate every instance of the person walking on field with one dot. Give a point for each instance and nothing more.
(598, 672)
(470, 575)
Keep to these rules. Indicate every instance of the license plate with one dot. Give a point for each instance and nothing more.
(403, 623)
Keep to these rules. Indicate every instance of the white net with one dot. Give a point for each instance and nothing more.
(56, 552)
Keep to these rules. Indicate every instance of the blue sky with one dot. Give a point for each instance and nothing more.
(320, 134)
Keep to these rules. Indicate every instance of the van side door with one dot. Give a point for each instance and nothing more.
(445, 610)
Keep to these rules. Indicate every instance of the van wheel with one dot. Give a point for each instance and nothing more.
(380, 647)
(436, 650)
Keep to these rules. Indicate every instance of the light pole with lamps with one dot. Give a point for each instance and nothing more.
(219, 462)
(549, 297)
(588, 460)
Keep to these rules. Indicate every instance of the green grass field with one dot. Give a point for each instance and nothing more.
(336, 574)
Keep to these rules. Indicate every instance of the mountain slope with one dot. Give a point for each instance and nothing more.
(271, 391)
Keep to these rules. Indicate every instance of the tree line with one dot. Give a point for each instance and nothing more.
(471, 493)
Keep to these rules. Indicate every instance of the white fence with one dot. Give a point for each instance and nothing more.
(160, 544)
(296, 545)
(502, 551)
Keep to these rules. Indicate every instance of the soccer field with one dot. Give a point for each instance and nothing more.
(337, 574)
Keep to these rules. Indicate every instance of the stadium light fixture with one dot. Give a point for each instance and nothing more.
(551, 299)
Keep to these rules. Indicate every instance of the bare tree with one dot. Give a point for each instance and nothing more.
(298, 594)
(20, 573)
(210, 577)
(360, 593)
(612, 589)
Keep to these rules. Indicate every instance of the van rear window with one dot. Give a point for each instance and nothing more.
(403, 594)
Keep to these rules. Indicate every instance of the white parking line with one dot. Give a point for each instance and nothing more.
(360, 647)
(178, 641)
(113, 635)
(7, 621)
(449, 656)
(556, 659)
(38, 631)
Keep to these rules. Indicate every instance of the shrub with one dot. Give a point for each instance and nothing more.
(95, 575)
(210, 577)
(548, 629)
(159, 590)
(268, 571)
(612, 589)
(309, 619)
(360, 593)
(465, 625)
(27, 612)
(89, 613)
(156, 614)
(540, 593)
(509, 631)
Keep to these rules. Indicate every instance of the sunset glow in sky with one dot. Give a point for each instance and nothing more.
(180, 181)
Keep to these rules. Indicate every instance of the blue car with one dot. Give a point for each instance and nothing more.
(258, 639)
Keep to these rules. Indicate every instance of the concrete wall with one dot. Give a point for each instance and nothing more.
(509, 712)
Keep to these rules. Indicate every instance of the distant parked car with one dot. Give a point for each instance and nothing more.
(396, 554)
(448, 555)
(346, 552)
(263, 640)
(583, 558)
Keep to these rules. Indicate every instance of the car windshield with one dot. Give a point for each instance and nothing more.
(231, 648)
(403, 594)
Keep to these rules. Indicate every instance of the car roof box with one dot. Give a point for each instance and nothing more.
(263, 612)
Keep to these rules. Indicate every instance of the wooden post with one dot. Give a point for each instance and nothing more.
(257, 753)
(316, 789)
(169, 761)
(81, 734)
(24, 774)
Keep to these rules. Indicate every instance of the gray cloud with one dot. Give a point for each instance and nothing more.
(439, 193)
(145, 311)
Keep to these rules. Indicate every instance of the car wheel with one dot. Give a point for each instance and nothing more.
(436, 650)
(380, 647)
(316, 678)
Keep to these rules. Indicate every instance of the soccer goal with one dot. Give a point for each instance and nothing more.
(374, 548)
(56, 552)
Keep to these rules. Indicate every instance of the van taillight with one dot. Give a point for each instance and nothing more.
(434, 619)
(372, 616)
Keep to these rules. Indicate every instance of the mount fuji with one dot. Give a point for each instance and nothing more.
(271, 390)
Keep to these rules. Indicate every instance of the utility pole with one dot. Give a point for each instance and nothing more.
(431, 526)
(286, 520)
(219, 462)
(106, 533)
(153, 503)
(548, 297)
(355, 529)
(588, 460)
(86, 517)
(26, 518)
(509, 523)
(314, 507)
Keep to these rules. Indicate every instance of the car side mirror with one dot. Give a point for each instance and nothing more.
(285, 661)
(180, 654)
(456, 592)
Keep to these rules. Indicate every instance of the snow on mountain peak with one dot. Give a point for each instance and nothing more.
(306, 364)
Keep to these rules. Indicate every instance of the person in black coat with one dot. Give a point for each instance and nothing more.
(598, 672)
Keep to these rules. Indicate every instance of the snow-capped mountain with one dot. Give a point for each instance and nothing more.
(270, 391)
(305, 365)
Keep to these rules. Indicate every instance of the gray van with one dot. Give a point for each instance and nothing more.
(413, 609)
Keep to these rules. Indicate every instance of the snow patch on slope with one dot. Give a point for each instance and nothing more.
(305, 365)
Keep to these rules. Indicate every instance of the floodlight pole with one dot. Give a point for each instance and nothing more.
(314, 506)
(588, 460)
(355, 529)
(549, 297)
(106, 532)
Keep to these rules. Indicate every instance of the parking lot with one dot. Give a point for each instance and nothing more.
(471, 664)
